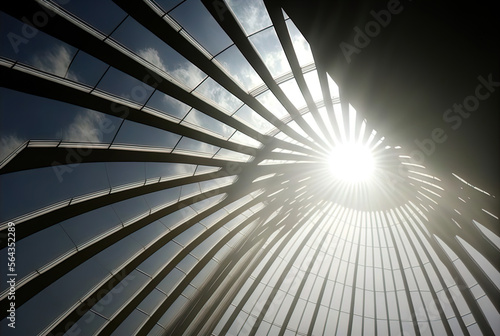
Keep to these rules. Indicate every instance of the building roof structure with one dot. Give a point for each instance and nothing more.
(178, 177)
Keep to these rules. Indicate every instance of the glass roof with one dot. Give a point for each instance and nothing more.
(169, 173)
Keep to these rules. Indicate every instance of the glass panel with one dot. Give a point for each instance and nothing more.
(39, 249)
(312, 122)
(162, 198)
(216, 183)
(199, 23)
(113, 257)
(158, 260)
(50, 120)
(171, 106)
(150, 233)
(157, 330)
(131, 323)
(203, 275)
(105, 19)
(207, 203)
(130, 208)
(152, 301)
(334, 89)
(148, 46)
(41, 51)
(189, 190)
(292, 91)
(143, 135)
(238, 67)
(226, 154)
(122, 85)
(170, 282)
(302, 48)
(244, 139)
(272, 104)
(86, 69)
(87, 325)
(269, 47)
(313, 84)
(54, 300)
(173, 311)
(251, 118)
(190, 234)
(167, 170)
(167, 5)
(219, 95)
(121, 173)
(251, 14)
(484, 263)
(90, 224)
(206, 169)
(174, 219)
(52, 185)
(200, 119)
(198, 147)
(122, 292)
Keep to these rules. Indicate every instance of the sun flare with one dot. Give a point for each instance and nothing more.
(351, 162)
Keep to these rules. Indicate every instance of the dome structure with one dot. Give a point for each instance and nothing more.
(189, 169)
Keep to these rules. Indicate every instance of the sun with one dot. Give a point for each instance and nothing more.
(351, 162)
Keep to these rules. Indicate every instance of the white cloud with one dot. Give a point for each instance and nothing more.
(220, 96)
(55, 61)
(277, 63)
(151, 55)
(244, 74)
(200, 119)
(187, 74)
(252, 14)
(86, 127)
(8, 143)
(302, 48)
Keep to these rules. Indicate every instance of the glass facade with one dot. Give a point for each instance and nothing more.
(166, 166)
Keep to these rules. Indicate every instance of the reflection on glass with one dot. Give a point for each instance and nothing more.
(41, 51)
(171, 106)
(244, 139)
(89, 225)
(105, 19)
(251, 118)
(53, 184)
(218, 95)
(292, 91)
(122, 85)
(138, 134)
(238, 67)
(200, 24)
(272, 104)
(312, 82)
(197, 118)
(86, 69)
(148, 46)
(251, 14)
(270, 50)
(302, 48)
(195, 147)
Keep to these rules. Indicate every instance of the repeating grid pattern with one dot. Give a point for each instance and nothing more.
(190, 192)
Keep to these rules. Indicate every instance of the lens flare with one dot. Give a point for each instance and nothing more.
(351, 162)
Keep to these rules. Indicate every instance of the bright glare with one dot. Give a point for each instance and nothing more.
(351, 162)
